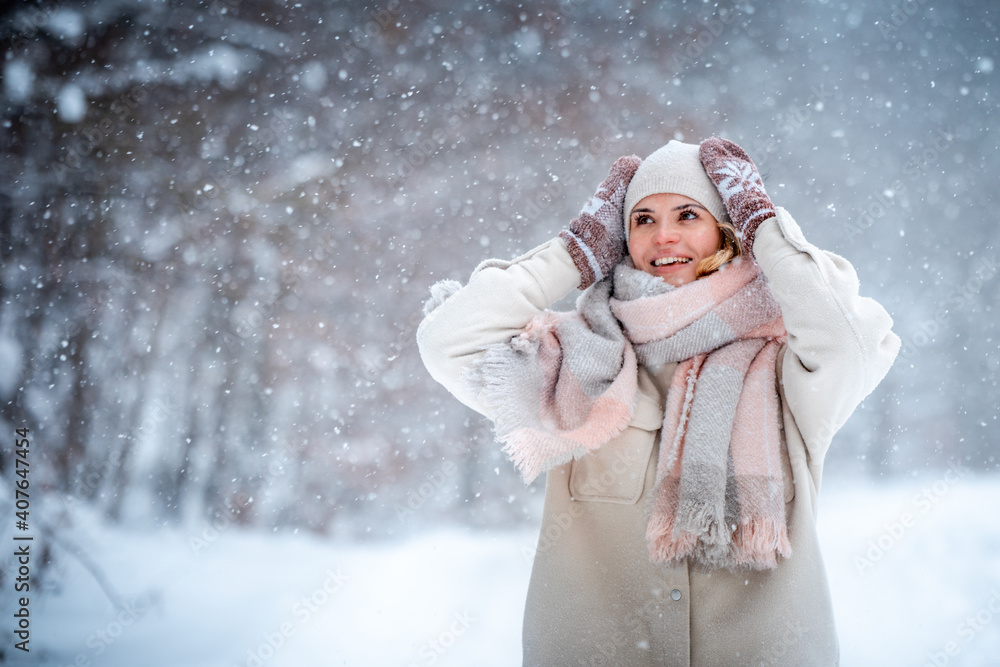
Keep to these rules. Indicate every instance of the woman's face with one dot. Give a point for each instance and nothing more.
(669, 234)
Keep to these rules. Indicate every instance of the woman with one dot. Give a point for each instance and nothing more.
(682, 413)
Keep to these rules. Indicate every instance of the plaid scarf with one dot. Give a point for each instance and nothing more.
(568, 383)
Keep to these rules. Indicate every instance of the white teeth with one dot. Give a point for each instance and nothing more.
(670, 260)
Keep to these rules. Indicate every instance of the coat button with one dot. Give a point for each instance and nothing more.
(675, 594)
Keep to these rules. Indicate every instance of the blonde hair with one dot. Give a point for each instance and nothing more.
(729, 248)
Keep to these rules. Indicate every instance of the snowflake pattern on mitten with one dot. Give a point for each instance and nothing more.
(740, 185)
(596, 239)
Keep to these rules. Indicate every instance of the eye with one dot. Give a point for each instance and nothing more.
(688, 214)
(641, 219)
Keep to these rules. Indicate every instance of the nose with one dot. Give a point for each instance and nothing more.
(666, 233)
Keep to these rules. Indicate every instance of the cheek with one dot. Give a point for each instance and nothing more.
(709, 240)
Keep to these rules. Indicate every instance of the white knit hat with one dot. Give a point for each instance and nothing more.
(674, 168)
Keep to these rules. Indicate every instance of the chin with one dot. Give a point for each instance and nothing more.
(675, 279)
(679, 281)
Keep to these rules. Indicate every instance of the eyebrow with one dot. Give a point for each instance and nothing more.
(676, 208)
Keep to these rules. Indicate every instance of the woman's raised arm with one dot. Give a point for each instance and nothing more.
(840, 344)
(496, 305)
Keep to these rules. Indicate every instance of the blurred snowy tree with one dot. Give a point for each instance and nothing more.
(220, 220)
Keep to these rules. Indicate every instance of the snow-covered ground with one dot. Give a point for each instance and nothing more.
(914, 567)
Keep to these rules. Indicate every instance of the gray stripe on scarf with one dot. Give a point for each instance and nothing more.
(596, 359)
(705, 333)
(705, 461)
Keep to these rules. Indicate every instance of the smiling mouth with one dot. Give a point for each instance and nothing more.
(668, 261)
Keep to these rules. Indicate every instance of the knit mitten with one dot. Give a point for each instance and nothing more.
(596, 239)
(739, 184)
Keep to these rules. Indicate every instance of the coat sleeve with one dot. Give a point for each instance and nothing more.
(498, 302)
(840, 344)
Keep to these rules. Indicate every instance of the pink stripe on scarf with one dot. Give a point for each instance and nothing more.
(654, 317)
(760, 536)
(593, 422)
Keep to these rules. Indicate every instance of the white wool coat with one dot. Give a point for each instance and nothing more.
(594, 597)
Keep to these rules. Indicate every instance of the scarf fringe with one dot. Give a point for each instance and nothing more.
(706, 522)
(534, 444)
(531, 456)
(757, 543)
(666, 543)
